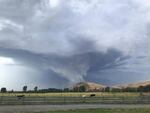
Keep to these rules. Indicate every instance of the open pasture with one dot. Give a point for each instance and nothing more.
(74, 98)
(78, 94)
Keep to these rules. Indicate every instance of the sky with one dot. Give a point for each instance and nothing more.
(56, 43)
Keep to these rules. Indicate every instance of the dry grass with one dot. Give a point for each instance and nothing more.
(76, 94)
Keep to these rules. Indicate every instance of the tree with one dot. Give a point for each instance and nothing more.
(82, 88)
(140, 89)
(144, 88)
(129, 89)
(107, 89)
(12, 91)
(76, 89)
(147, 88)
(66, 89)
(35, 88)
(116, 90)
(24, 88)
(3, 90)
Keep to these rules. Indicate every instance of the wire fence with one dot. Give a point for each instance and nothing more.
(30, 100)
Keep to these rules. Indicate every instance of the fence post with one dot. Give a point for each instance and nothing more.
(64, 100)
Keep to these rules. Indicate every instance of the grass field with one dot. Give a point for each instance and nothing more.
(74, 98)
(138, 110)
(76, 94)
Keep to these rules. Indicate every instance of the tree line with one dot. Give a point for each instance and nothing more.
(80, 89)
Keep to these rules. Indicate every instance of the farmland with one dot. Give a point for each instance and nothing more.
(74, 98)
(78, 94)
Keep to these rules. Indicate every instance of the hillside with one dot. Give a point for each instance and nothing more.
(90, 86)
(133, 85)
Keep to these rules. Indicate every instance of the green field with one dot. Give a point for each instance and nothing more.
(138, 110)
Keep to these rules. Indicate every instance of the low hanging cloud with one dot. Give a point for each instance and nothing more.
(75, 40)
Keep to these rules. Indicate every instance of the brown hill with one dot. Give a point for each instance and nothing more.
(90, 86)
(133, 85)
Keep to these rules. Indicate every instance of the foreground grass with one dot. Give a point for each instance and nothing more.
(138, 110)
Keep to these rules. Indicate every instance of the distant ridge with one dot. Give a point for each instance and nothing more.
(90, 86)
(133, 85)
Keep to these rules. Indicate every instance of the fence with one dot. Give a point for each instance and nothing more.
(30, 100)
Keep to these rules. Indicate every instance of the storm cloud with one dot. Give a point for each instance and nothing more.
(68, 41)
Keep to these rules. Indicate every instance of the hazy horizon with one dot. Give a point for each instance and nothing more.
(55, 43)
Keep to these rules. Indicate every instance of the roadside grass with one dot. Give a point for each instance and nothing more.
(137, 110)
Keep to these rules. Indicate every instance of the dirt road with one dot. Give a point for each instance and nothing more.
(37, 108)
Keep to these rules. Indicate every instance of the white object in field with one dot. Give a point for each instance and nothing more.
(83, 96)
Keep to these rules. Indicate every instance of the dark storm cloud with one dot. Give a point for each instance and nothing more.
(67, 69)
(38, 62)
(67, 41)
